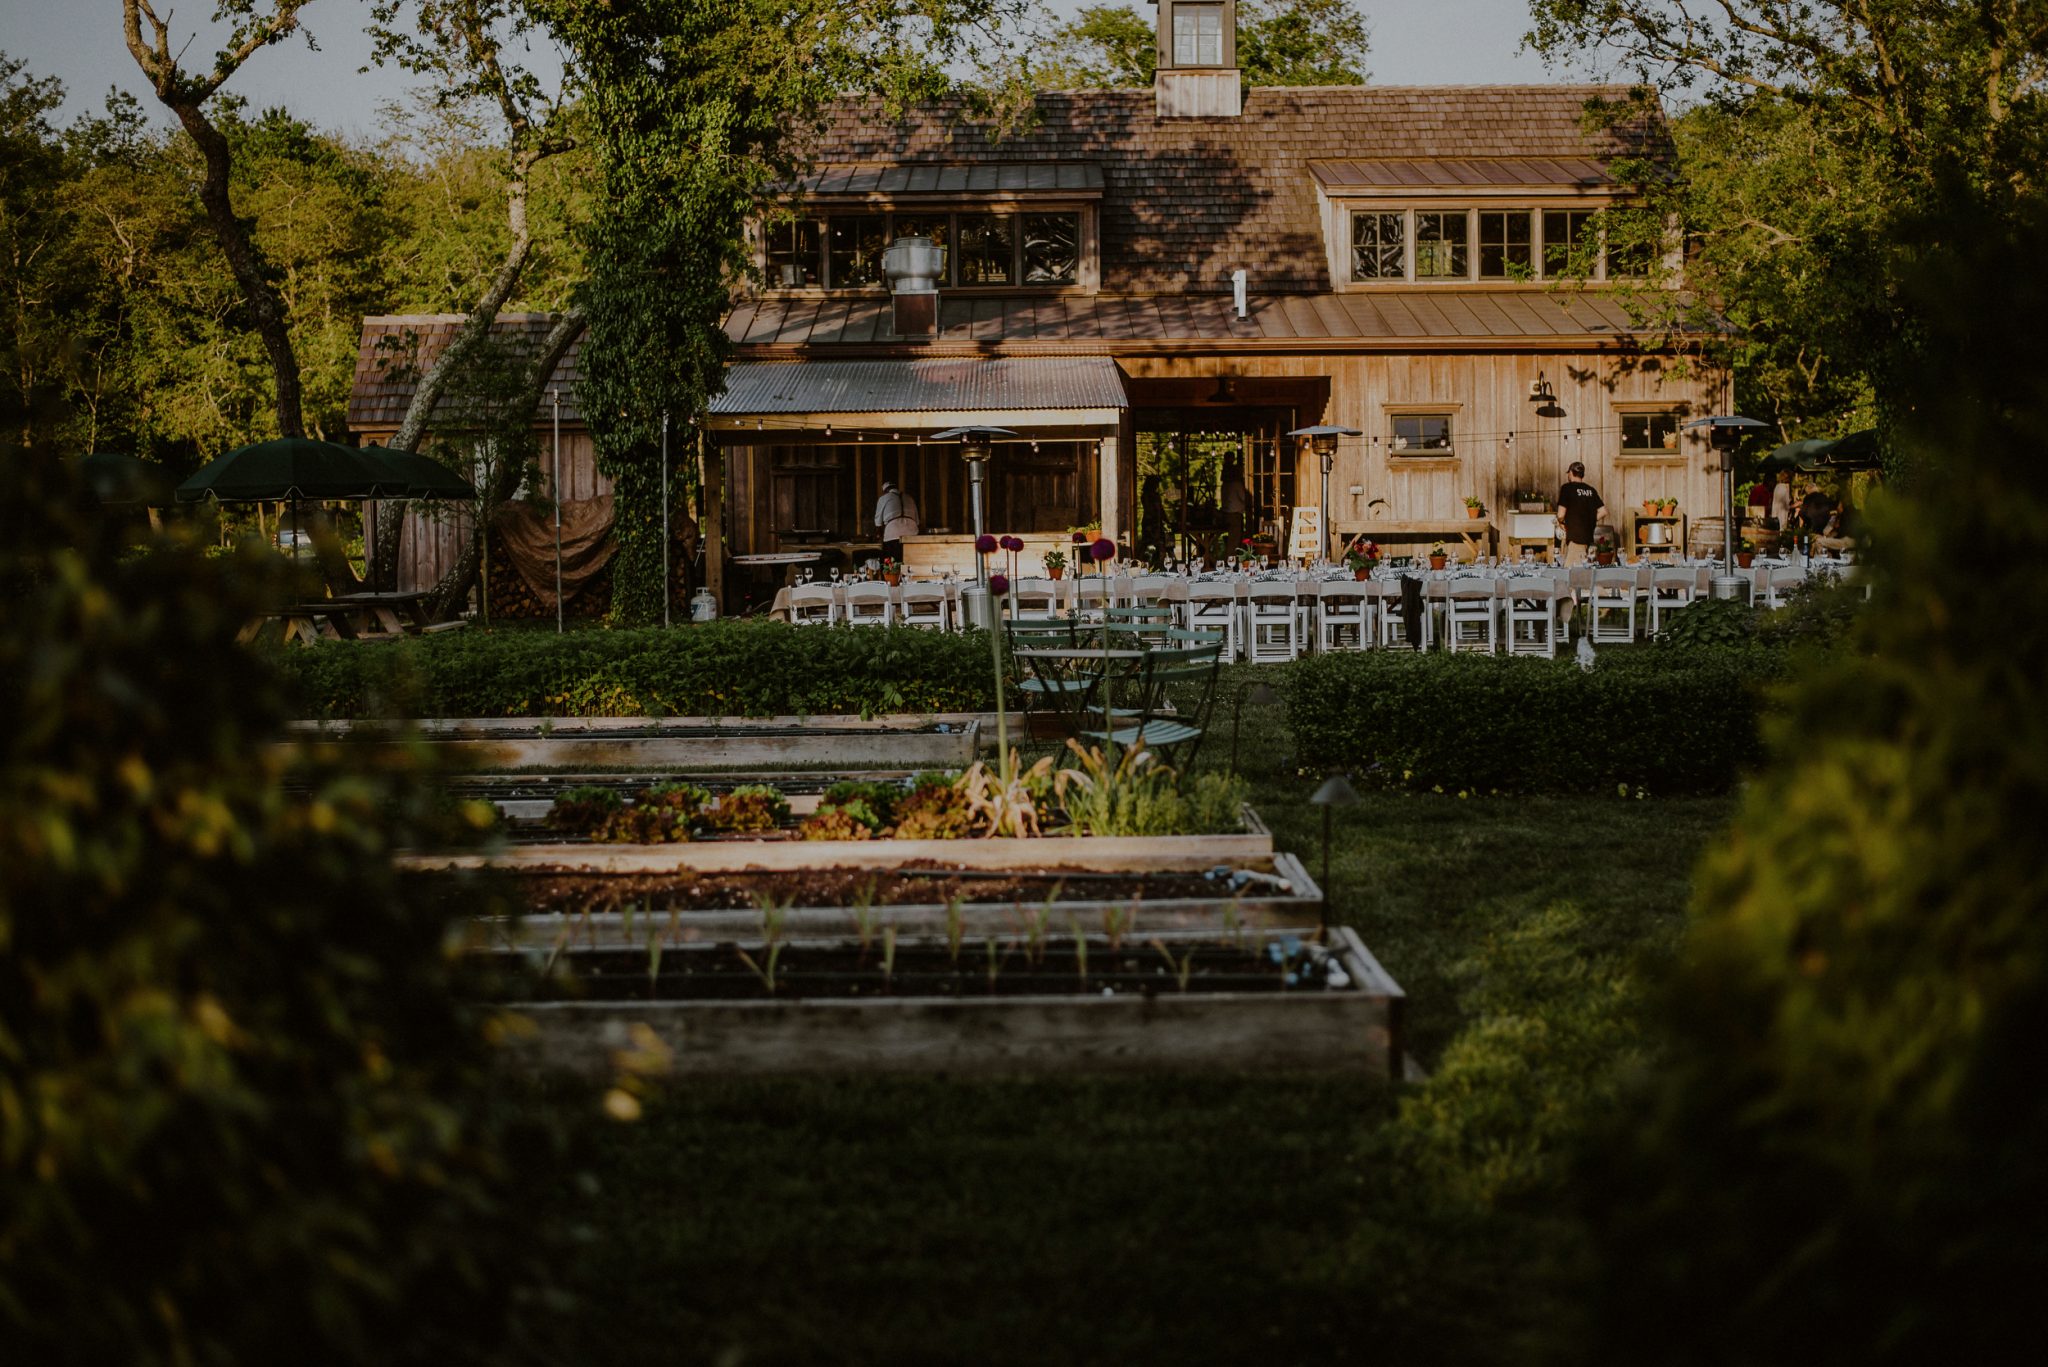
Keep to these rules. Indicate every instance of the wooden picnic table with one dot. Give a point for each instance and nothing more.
(301, 621)
(402, 612)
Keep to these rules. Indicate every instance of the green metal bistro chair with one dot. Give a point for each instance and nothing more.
(1171, 727)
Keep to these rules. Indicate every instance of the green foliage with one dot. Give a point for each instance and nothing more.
(877, 798)
(1839, 1160)
(853, 821)
(1133, 794)
(1668, 721)
(1710, 622)
(748, 808)
(242, 1116)
(1817, 614)
(584, 809)
(721, 669)
(934, 811)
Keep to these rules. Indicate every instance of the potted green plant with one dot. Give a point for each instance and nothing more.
(1473, 507)
(1437, 556)
(1669, 507)
(1603, 548)
(1745, 554)
(1055, 564)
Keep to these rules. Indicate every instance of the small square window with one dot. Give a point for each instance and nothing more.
(1052, 248)
(987, 252)
(1505, 246)
(1440, 246)
(1422, 434)
(1378, 246)
(793, 253)
(854, 244)
(1646, 432)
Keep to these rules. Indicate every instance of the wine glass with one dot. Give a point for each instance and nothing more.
(835, 574)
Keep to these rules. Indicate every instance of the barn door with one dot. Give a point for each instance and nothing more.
(1036, 492)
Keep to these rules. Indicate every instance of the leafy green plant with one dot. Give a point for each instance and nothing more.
(879, 799)
(1004, 800)
(1673, 720)
(583, 810)
(1129, 795)
(1710, 622)
(934, 812)
(838, 823)
(748, 807)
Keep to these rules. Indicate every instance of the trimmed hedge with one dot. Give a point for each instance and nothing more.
(721, 669)
(1664, 720)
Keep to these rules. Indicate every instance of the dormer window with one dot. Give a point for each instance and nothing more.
(1197, 35)
(1469, 245)
(983, 250)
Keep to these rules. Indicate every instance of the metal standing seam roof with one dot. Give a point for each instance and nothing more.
(1080, 178)
(919, 386)
(1461, 173)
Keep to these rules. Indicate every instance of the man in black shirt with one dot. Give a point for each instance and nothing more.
(1580, 510)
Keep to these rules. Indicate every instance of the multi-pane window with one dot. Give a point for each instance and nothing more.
(981, 249)
(1571, 242)
(854, 249)
(1440, 246)
(1649, 431)
(1378, 250)
(988, 250)
(1504, 245)
(793, 253)
(1052, 249)
(1422, 434)
(1198, 35)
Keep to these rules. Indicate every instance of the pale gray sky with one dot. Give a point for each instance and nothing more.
(1415, 42)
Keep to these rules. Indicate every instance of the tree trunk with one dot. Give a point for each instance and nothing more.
(447, 596)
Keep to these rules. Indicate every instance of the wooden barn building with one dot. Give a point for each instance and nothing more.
(1152, 288)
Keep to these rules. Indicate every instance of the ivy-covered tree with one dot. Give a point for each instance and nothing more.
(695, 109)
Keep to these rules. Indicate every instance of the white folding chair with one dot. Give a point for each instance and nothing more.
(1472, 614)
(1036, 599)
(1532, 614)
(1272, 626)
(925, 605)
(1091, 595)
(1773, 581)
(810, 605)
(1343, 615)
(1213, 607)
(1393, 622)
(1671, 588)
(869, 604)
(1612, 615)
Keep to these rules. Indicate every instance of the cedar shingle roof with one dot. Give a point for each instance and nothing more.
(1186, 201)
(396, 349)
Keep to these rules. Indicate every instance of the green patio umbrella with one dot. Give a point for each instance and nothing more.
(424, 476)
(1829, 455)
(115, 478)
(292, 469)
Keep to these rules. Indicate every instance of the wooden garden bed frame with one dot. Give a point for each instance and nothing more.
(893, 742)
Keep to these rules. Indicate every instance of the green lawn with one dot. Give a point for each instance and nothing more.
(1211, 1219)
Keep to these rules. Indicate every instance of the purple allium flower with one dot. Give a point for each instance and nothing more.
(999, 584)
(1080, 539)
(1103, 549)
(1012, 543)
(985, 543)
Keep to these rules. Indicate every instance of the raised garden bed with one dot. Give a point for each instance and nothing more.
(936, 742)
(1086, 1003)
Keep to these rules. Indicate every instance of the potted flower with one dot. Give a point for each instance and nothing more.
(1055, 564)
(1473, 507)
(1650, 506)
(1361, 558)
(1669, 507)
(1745, 554)
(892, 573)
(1603, 548)
(1531, 501)
(1437, 556)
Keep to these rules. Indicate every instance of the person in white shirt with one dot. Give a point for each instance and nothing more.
(896, 518)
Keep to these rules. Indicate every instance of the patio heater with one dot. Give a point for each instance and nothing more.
(1322, 439)
(1724, 434)
(976, 445)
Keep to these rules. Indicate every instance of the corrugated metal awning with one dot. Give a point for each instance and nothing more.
(1064, 179)
(1461, 173)
(1062, 391)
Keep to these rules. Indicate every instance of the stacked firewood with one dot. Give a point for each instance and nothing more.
(511, 598)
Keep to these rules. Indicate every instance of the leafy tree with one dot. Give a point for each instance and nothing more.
(186, 95)
(1828, 130)
(38, 245)
(1279, 42)
(1839, 1159)
(243, 1116)
(695, 110)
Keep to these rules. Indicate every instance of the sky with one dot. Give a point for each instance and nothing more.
(1414, 42)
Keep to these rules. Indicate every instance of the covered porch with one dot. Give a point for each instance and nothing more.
(802, 449)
